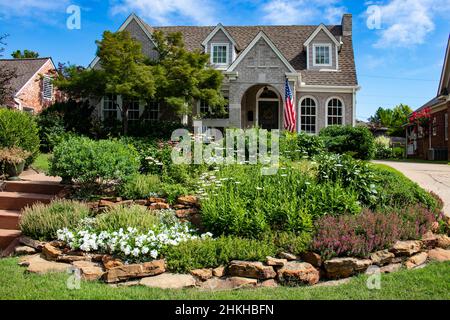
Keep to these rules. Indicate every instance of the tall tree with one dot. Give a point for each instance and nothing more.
(6, 75)
(27, 54)
(393, 119)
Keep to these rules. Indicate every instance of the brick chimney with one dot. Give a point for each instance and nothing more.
(347, 24)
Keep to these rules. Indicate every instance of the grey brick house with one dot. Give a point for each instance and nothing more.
(318, 62)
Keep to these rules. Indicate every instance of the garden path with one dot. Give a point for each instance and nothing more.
(430, 176)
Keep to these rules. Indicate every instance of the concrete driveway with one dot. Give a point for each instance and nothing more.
(430, 176)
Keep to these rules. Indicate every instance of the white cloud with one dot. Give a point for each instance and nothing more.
(407, 23)
(303, 11)
(31, 8)
(169, 12)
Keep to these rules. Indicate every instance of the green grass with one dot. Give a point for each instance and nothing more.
(432, 282)
(42, 163)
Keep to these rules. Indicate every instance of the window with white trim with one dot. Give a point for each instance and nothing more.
(151, 112)
(219, 54)
(335, 112)
(204, 107)
(434, 127)
(110, 107)
(308, 112)
(133, 109)
(322, 54)
(446, 127)
(47, 88)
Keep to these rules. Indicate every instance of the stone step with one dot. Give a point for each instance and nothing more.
(20, 200)
(7, 237)
(41, 187)
(9, 219)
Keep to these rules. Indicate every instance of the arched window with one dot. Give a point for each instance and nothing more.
(308, 113)
(335, 113)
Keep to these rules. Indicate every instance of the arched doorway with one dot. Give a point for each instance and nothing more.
(261, 107)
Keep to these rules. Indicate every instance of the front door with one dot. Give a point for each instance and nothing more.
(268, 114)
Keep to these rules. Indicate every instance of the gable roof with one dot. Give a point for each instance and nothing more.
(289, 40)
(26, 69)
(445, 70)
(261, 35)
(213, 33)
(323, 28)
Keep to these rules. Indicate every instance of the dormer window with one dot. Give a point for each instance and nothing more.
(219, 54)
(322, 55)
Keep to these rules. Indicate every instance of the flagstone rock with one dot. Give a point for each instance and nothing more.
(184, 213)
(72, 258)
(273, 262)
(219, 271)
(443, 241)
(106, 203)
(132, 271)
(159, 206)
(429, 240)
(271, 283)
(27, 241)
(345, 267)
(287, 256)
(188, 200)
(36, 264)
(156, 200)
(110, 262)
(202, 274)
(23, 250)
(381, 258)
(169, 281)
(390, 268)
(439, 254)
(50, 252)
(233, 283)
(90, 271)
(416, 260)
(312, 258)
(248, 269)
(406, 248)
(298, 273)
(140, 202)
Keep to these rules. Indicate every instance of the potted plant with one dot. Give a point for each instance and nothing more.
(13, 161)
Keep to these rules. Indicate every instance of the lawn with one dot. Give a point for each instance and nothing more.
(432, 282)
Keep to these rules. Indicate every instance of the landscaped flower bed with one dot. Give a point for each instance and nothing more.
(320, 216)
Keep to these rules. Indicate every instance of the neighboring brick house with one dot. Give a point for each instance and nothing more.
(433, 143)
(317, 60)
(32, 88)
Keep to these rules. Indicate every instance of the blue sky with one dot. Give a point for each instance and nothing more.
(399, 58)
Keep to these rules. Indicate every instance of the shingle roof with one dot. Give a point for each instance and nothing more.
(25, 69)
(289, 40)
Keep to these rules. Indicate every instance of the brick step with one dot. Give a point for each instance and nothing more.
(7, 237)
(41, 187)
(9, 219)
(20, 200)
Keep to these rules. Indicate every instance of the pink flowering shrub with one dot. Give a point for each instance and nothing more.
(358, 236)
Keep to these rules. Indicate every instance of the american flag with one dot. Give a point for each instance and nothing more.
(290, 116)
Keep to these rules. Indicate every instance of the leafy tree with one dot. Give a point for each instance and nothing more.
(6, 75)
(27, 54)
(393, 119)
(185, 76)
(176, 77)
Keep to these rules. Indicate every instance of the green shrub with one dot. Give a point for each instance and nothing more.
(398, 153)
(51, 128)
(383, 148)
(210, 253)
(350, 173)
(297, 146)
(398, 191)
(289, 241)
(173, 191)
(127, 217)
(89, 162)
(139, 186)
(42, 221)
(356, 141)
(19, 129)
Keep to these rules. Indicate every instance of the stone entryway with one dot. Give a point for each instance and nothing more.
(17, 195)
(430, 176)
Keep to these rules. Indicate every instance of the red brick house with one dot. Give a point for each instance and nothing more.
(32, 88)
(431, 142)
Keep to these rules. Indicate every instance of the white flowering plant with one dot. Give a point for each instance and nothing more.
(131, 244)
